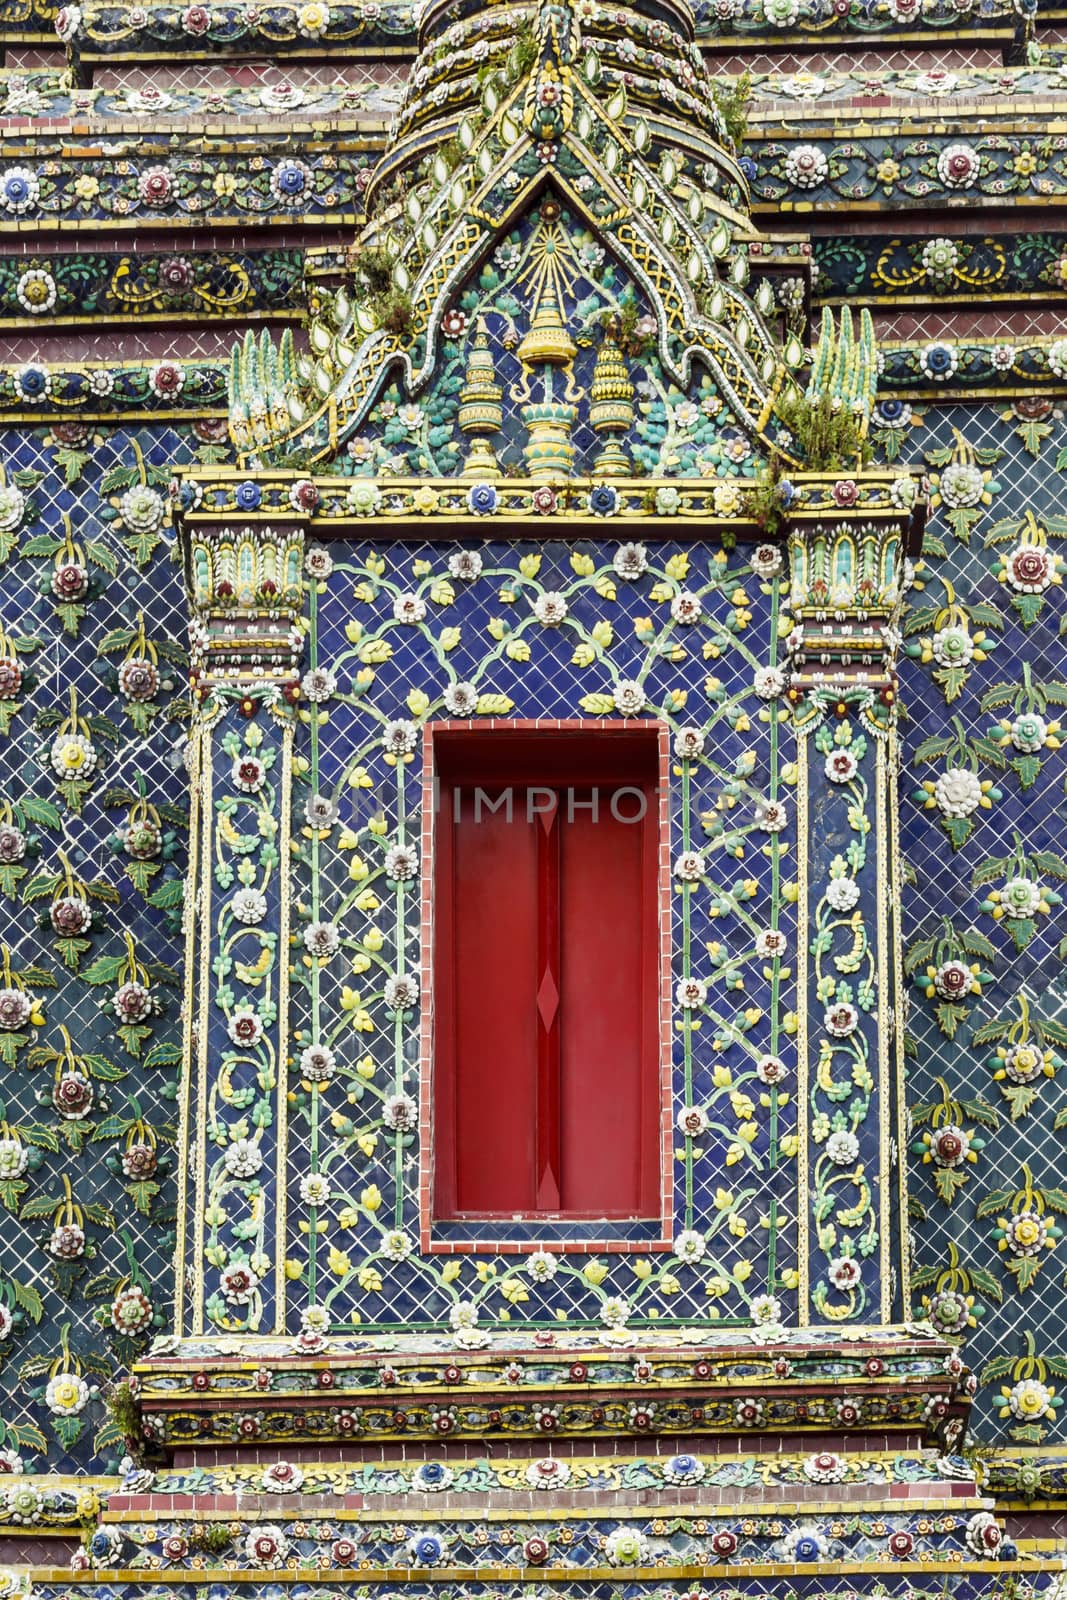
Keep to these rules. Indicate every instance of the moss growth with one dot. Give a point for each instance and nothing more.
(765, 501)
(523, 52)
(393, 311)
(621, 323)
(733, 95)
(453, 152)
(978, 1454)
(520, 60)
(373, 268)
(214, 1537)
(829, 439)
(125, 1413)
(394, 194)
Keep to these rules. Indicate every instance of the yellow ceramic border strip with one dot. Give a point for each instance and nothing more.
(896, 947)
(190, 913)
(883, 967)
(570, 1576)
(803, 940)
(203, 917)
(285, 870)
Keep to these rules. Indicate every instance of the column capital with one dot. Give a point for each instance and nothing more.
(848, 578)
(247, 589)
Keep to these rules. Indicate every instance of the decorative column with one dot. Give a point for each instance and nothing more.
(847, 577)
(246, 591)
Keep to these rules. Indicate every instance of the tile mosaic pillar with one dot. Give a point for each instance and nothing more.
(246, 592)
(847, 584)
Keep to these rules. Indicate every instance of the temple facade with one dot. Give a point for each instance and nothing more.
(532, 840)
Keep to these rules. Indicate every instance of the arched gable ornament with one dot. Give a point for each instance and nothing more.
(665, 198)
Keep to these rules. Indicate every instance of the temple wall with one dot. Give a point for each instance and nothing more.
(142, 236)
(83, 472)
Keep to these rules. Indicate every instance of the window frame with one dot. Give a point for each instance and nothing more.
(565, 1234)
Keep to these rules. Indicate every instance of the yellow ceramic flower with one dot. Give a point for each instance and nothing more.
(66, 1394)
(313, 19)
(727, 498)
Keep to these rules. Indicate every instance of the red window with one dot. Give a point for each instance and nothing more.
(546, 972)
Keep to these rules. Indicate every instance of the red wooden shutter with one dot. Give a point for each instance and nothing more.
(609, 1044)
(546, 951)
(492, 1063)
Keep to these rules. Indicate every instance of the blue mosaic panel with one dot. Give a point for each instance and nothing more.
(982, 810)
(92, 844)
(400, 635)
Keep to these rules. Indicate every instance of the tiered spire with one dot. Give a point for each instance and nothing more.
(501, 107)
(481, 412)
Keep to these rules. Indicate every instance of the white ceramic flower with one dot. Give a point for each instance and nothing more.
(626, 1547)
(243, 1158)
(630, 562)
(461, 699)
(396, 1245)
(550, 609)
(690, 1245)
(688, 743)
(12, 506)
(315, 1189)
(1030, 1399)
(1057, 358)
(806, 166)
(249, 906)
(958, 792)
(690, 993)
(769, 682)
(401, 862)
(401, 991)
(1029, 732)
(952, 647)
(322, 939)
(317, 1063)
(629, 697)
(841, 1019)
(141, 509)
(690, 866)
(842, 1148)
(266, 1545)
(686, 608)
(962, 484)
(766, 560)
(842, 894)
(465, 565)
(840, 766)
(958, 166)
(1020, 897)
(318, 685)
(409, 608)
(66, 1394)
(542, 1266)
(73, 755)
(400, 1112)
(400, 736)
